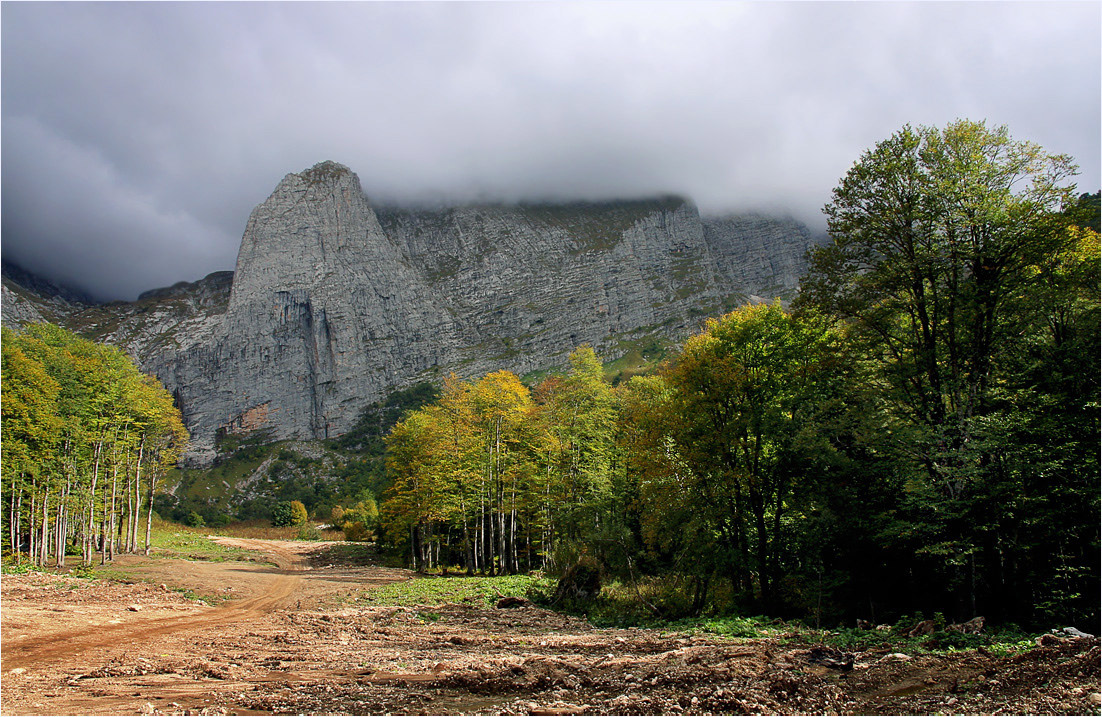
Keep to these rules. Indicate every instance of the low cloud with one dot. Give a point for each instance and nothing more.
(138, 137)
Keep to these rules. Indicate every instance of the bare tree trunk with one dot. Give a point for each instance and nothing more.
(137, 498)
(13, 520)
(149, 515)
(103, 529)
(44, 543)
(113, 539)
(128, 544)
(32, 554)
(19, 521)
(60, 527)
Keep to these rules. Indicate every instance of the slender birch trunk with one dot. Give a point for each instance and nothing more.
(149, 515)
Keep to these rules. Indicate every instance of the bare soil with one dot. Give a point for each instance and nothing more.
(284, 642)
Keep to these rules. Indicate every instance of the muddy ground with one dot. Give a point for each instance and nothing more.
(282, 641)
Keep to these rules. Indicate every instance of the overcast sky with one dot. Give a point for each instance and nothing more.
(137, 138)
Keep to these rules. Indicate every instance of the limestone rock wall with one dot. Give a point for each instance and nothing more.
(334, 302)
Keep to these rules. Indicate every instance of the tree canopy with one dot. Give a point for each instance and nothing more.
(84, 433)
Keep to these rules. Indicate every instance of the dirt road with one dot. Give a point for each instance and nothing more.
(287, 643)
(65, 641)
(43, 644)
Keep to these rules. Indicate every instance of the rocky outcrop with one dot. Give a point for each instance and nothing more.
(26, 298)
(334, 302)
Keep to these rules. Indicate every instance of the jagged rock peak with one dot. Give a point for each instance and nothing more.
(326, 179)
(327, 171)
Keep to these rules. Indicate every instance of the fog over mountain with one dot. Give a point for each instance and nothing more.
(136, 138)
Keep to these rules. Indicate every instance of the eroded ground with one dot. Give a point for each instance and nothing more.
(284, 643)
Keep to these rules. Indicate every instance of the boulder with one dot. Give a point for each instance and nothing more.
(972, 627)
(926, 627)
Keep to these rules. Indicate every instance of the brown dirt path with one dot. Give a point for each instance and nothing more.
(54, 628)
(68, 644)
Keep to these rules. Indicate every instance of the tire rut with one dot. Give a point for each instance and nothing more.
(67, 645)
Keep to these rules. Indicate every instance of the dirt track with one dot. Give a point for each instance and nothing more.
(285, 644)
(36, 649)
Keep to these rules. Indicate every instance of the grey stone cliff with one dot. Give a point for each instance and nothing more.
(334, 303)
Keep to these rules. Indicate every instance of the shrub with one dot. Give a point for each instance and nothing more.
(579, 585)
(291, 512)
(194, 520)
(356, 531)
(308, 532)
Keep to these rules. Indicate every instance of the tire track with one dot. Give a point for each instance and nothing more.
(72, 643)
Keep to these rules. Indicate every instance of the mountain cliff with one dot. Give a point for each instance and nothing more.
(333, 302)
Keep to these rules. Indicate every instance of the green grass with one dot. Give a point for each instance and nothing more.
(175, 541)
(734, 626)
(638, 356)
(485, 591)
(1003, 641)
(19, 565)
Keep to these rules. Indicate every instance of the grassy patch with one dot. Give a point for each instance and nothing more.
(734, 626)
(173, 541)
(263, 530)
(19, 565)
(1003, 641)
(639, 356)
(485, 591)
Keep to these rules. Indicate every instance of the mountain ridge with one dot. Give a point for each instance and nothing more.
(335, 302)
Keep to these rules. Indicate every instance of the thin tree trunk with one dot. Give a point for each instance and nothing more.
(32, 554)
(90, 525)
(12, 520)
(103, 529)
(44, 543)
(60, 526)
(114, 512)
(19, 521)
(137, 498)
(128, 545)
(149, 514)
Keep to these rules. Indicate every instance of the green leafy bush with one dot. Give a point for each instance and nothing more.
(287, 513)
(356, 532)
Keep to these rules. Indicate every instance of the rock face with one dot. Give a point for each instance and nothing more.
(334, 303)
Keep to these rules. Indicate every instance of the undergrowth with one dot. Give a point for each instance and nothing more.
(20, 565)
(997, 640)
(484, 591)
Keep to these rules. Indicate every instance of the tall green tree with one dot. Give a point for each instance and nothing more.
(576, 417)
(932, 234)
(31, 428)
(944, 266)
(739, 408)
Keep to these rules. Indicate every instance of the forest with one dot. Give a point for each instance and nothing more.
(86, 436)
(918, 431)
